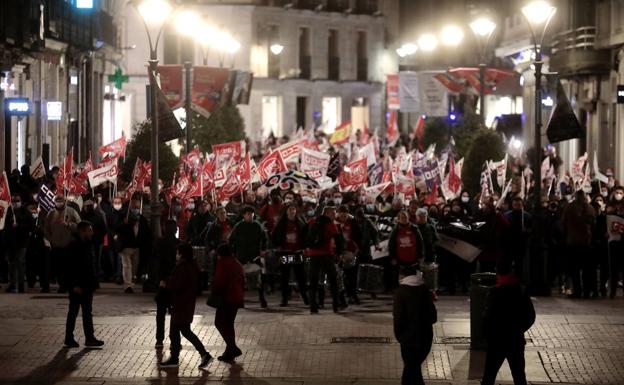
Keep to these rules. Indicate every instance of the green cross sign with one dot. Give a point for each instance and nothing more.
(118, 78)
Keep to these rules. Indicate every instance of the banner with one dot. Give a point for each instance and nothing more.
(230, 187)
(242, 87)
(421, 92)
(376, 173)
(578, 173)
(314, 160)
(353, 174)
(368, 152)
(114, 149)
(290, 151)
(102, 175)
(192, 159)
(226, 152)
(208, 84)
(243, 172)
(429, 170)
(615, 227)
(405, 185)
(4, 208)
(270, 165)
(5, 191)
(374, 191)
(392, 92)
(38, 170)
(462, 249)
(597, 174)
(171, 84)
(168, 126)
(45, 198)
(392, 128)
(501, 170)
(342, 134)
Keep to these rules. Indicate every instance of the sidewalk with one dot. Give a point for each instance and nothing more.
(572, 342)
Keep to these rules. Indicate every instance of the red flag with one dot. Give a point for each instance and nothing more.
(243, 171)
(135, 183)
(65, 173)
(230, 187)
(270, 165)
(224, 152)
(192, 159)
(207, 178)
(114, 149)
(77, 186)
(433, 195)
(194, 189)
(404, 185)
(454, 180)
(5, 192)
(419, 131)
(392, 134)
(354, 173)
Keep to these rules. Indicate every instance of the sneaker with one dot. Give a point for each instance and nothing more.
(172, 362)
(71, 344)
(129, 291)
(159, 345)
(227, 358)
(236, 352)
(205, 360)
(94, 344)
(263, 303)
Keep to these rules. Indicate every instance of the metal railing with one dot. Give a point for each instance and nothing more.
(582, 38)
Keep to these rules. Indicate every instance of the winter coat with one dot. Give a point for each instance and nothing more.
(393, 242)
(332, 240)
(509, 313)
(197, 228)
(183, 286)
(59, 234)
(578, 220)
(229, 281)
(247, 240)
(80, 270)
(165, 252)
(214, 234)
(430, 238)
(414, 312)
(278, 236)
(369, 236)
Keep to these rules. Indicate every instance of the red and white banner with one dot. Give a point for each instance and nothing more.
(171, 83)
(270, 165)
(103, 174)
(578, 172)
(65, 173)
(230, 187)
(368, 152)
(208, 83)
(404, 185)
(226, 152)
(501, 170)
(374, 191)
(37, 170)
(353, 174)
(392, 126)
(219, 177)
(4, 208)
(114, 149)
(5, 191)
(290, 151)
(314, 160)
(243, 172)
(207, 176)
(192, 159)
(392, 92)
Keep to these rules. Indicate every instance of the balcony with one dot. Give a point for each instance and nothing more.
(362, 69)
(574, 53)
(333, 67)
(305, 67)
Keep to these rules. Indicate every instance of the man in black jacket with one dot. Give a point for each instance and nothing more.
(166, 250)
(509, 314)
(81, 282)
(414, 315)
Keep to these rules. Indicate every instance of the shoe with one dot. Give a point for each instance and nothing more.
(205, 360)
(236, 352)
(263, 303)
(71, 344)
(172, 362)
(159, 345)
(227, 358)
(129, 291)
(94, 343)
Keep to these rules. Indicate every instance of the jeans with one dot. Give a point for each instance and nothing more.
(224, 322)
(413, 358)
(176, 344)
(299, 276)
(326, 264)
(17, 268)
(130, 265)
(494, 360)
(82, 301)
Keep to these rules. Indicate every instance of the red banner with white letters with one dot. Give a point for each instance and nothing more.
(171, 83)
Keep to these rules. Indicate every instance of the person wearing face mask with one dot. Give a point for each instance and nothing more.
(17, 225)
(115, 219)
(59, 225)
(616, 251)
(467, 204)
(133, 234)
(165, 254)
(271, 211)
(405, 245)
(37, 258)
(95, 216)
(617, 195)
(599, 247)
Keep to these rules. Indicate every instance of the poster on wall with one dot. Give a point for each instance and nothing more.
(420, 92)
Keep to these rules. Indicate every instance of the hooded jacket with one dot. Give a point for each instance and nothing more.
(414, 312)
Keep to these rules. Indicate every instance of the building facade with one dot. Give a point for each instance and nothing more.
(330, 69)
(57, 56)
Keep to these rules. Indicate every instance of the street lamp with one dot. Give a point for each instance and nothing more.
(451, 35)
(154, 13)
(483, 28)
(276, 48)
(427, 42)
(538, 15)
(407, 49)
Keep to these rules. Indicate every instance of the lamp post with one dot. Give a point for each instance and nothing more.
(538, 15)
(482, 29)
(155, 13)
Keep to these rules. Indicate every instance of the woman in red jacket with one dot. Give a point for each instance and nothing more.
(228, 284)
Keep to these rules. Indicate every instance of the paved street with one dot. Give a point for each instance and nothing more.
(575, 342)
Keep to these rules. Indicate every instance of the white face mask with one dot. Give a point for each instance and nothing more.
(117, 206)
(191, 206)
(604, 193)
(337, 201)
(465, 199)
(618, 196)
(288, 200)
(310, 213)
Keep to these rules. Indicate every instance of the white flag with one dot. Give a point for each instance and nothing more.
(501, 170)
(368, 152)
(597, 174)
(504, 194)
(37, 170)
(374, 191)
(103, 174)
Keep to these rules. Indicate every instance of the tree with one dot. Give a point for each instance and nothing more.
(486, 145)
(436, 131)
(140, 146)
(225, 124)
(464, 132)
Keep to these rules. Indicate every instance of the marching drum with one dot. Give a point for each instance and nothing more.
(370, 278)
(430, 275)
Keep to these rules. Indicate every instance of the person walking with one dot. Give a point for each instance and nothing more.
(82, 282)
(249, 241)
(133, 235)
(165, 251)
(414, 315)
(18, 224)
(509, 313)
(184, 287)
(324, 242)
(228, 286)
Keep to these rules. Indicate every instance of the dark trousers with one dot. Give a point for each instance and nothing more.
(581, 265)
(162, 304)
(58, 260)
(299, 270)
(175, 330)
(224, 322)
(82, 301)
(45, 269)
(413, 358)
(495, 357)
(323, 263)
(350, 281)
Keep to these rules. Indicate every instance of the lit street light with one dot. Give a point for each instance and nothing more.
(483, 28)
(427, 42)
(276, 48)
(451, 35)
(538, 15)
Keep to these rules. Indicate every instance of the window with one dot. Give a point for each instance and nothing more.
(362, 56)
(177, 49)
(274, 57)
(332, 113)
(333, 59)
(271, 116)
(302, 103)
(304, 53)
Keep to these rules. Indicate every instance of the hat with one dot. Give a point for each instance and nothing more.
(421, 211)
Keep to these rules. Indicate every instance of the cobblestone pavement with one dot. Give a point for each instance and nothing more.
(572, 342)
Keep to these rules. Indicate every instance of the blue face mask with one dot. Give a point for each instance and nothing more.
(310, 213)
(135, 212)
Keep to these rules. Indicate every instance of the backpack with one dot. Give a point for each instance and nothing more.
(315, 236)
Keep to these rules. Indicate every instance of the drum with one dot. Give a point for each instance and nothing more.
(349, 260)
(370, 278)
(252, 276)
(430, 275)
